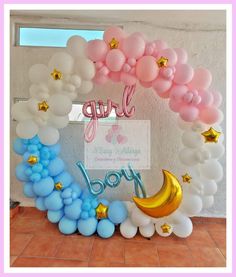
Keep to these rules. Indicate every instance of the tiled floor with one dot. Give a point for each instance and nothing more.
(35, 242)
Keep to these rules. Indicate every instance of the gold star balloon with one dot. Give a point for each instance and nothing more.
(56, 75)
(211, 135)
(58, 186)
(101, 211)
(43, 106)
(114, 43)
(186, 178)
(165, 228)
(32, 160)
(162, 62)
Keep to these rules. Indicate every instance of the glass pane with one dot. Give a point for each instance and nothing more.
(53, 37)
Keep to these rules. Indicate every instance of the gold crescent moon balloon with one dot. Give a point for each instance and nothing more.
(165, 201)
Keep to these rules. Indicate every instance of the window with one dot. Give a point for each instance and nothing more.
(76, 114)
(52, 37)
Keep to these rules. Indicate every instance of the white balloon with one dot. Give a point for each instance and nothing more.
(26, 129)
(184, 228)
(62, 62)
(75, 80)
(39, 73)
(76, 46)
(183, 125)
(32, 105)
(48, 135)
(192, 139)
(176, 217)
(212, 170)
(60, 104)
(207, 201)
(160, 231)
(209, 187)
(72, 95)
(86, 87)
(129, 205)
(20, 112)
(58, 121)
(147, 231)
(138, 218)
(127, 229)
(195, 187)
(55, 86)
(40, 120)
(188, 157)
(85, 68)
(39, 91)
(191, 204)
(69, 88)
(216, 150)
(202, 155)
(199, 127)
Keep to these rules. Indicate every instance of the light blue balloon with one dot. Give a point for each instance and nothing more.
(56, 166)
(65, 178)
(32, 148)
(44, 173)
(94, 203)
(76, 188)
(55, 149)
(44, 187)
(66, 193)
(117, 212)
(104, 201)
(28, 190)
(84, 215)
(39, 204)
(28, 154)
(92, 213)
(105, 228)
(86, 206)
(20, 172)
(73, 211)
(45, 162)
(87, 227)
(28, 171)
(54, 201)
(67, 226)
(55, 216)
(37, 167)
(19, 147)
(35, 177)
(67, 201)
(35, 140)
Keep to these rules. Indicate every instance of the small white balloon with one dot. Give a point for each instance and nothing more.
(192, 139)
(62, 62)
(75, 80)
(55, 86)
(20, 112)
(40, 120)
(147, 231)
(39, 91)
(216, 150)
(184, 228)
(183, 125)
(138, 218)
(127, 229)
(60, 104)
(85, 68)
(212, 170)
(27, 129)
(129, 205)
(76, 46)
(58, 121)
(207, 201)
(32, 105)
(162, 232)
(39, 73)
(86, 87)
(72, 95)
(199, 127)
(188, 157)
(191, 204)
(209, 187)
(69, 88)
(48, 135)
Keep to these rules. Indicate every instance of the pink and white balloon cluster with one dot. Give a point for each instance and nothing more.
(131, 58)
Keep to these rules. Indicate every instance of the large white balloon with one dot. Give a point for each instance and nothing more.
(158, 227)
(39, 91)
(209, 186)
(61, 61)
(147, 231)
(76, 46)
(60, 104)
(58, 121)
(191, 204)
(86, 87)
(85, 68)
(138, 218)
(75, 80)
(212, 170)
(32, 105)
(20, 111)
(184, 228)
(192, 139)
(127, 229)
(39, 73)
(26, 129)
(188, 157)
(216, 150)
(48, 135)
(207, 201)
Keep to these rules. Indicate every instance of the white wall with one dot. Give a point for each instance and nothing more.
(201, 33)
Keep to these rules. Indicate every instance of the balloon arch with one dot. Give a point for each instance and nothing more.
(129, 59)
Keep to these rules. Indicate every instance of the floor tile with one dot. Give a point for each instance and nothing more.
(174, 256)
(50, 229)
(207, 257)
(32, 212)
(43, 246)
(171, 240)
(18, 242)
(219, 237)
(215, 226)
(24, 225)
(46, 262)
(109, 250)
(141, 253)
(78, 248)
(12, 259)
(223, 251)
(200, 238)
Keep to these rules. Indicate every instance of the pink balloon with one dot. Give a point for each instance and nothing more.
(128, 79)
(201, 79)
(217, 98)
(146, 84)
(182, 56)
(160, 45)
(114, 76)
(164, 95)
(104, 70)
(147, 69)
(177, 92)
(206, 99)
(114, 32)
(170, 54)
(174, 105)
(115, 59)
(133, 46)
(161, 85)
(189, 113)
(183, 74)
(97, 50)
(100, 79)
(209, 115)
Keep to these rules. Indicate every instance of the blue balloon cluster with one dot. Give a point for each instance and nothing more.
(55, 191)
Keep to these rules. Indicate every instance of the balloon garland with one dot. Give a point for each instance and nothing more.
(132, 60)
